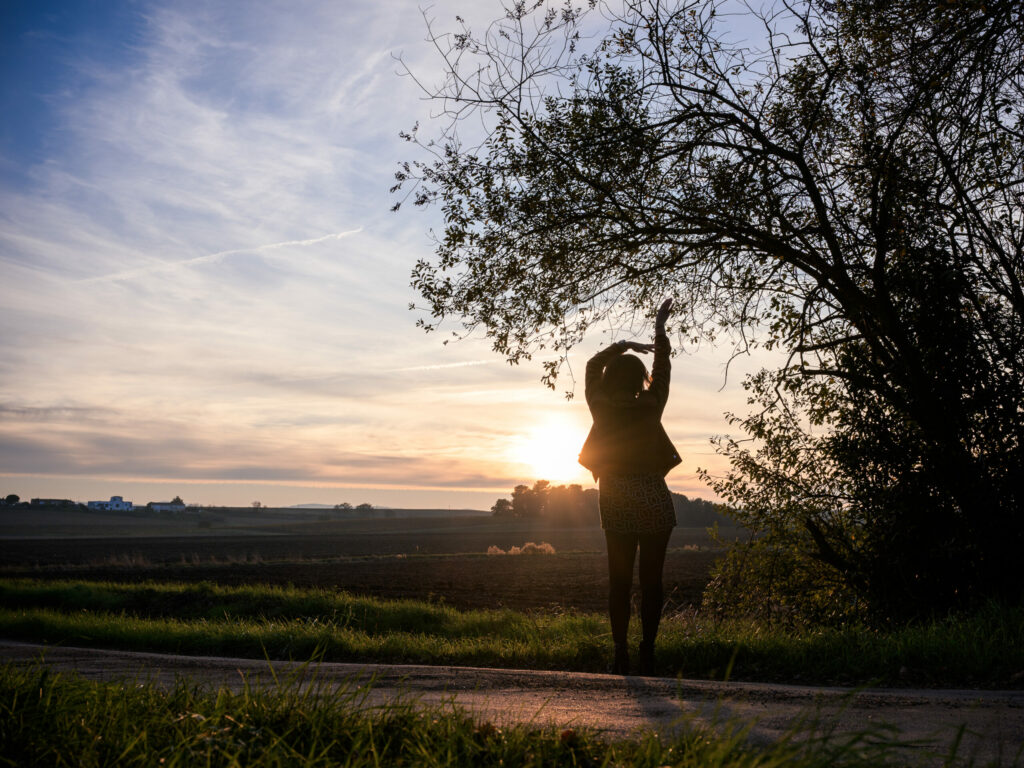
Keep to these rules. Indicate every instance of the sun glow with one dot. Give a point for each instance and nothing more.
(550, 451)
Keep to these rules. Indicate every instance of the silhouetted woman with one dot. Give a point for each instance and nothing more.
(630, 454)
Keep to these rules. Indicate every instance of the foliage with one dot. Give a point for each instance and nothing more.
(289, 623)
(502, 508)
(363, 510)
(848, 191)
(53, 719)
(564, 503)
(529, 548)
(572, 505)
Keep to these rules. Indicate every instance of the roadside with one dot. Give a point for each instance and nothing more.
(928, 721)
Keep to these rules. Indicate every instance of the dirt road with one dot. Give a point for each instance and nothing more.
(927, 720)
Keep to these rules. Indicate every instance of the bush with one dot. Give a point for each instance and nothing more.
(529, 548)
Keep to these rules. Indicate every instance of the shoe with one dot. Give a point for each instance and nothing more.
(647, 659)
(620, 666)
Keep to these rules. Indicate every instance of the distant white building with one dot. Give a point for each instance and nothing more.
(166, 506)
(116, 504)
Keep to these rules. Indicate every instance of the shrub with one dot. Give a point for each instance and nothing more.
(529, 548)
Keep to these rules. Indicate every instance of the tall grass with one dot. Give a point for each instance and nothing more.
(49, 719)
(289, 623)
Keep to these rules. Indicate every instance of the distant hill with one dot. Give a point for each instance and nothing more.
(329, 509)
(26, 522)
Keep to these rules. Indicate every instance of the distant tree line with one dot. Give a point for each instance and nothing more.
(572, 505)
(344, 509)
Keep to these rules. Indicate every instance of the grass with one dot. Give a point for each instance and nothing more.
(289, 623)
(57, 720)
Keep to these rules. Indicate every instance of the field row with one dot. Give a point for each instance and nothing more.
(316, 541)
(557, 582)
(433, 559)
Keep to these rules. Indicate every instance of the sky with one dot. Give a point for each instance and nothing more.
(204, 293)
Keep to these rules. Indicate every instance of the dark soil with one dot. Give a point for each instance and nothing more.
(523, 582)
(440, 560)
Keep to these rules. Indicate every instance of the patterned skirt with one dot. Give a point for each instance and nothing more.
(636, 504)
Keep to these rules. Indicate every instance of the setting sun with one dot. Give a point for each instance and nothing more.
(550, 450)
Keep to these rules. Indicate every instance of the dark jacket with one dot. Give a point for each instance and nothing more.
(627, 436)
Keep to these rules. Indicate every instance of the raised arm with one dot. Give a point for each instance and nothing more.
(661, 370)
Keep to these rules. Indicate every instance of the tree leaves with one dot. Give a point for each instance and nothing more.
(852, 194)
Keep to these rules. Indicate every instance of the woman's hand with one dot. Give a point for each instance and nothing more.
(663, 313)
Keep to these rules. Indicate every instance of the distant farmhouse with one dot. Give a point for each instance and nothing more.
(53, 503)
(116, 504)
(167, 506)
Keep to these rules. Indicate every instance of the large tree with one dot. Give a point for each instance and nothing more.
(849, 190)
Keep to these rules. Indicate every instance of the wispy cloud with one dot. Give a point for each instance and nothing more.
(135, 345)
(171, 266)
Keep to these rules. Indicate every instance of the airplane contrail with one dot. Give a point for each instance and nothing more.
(441, 365)
(130, 273)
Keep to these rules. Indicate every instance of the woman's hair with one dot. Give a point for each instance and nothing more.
(625, 376)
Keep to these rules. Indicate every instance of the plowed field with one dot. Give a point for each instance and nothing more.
(436, 559)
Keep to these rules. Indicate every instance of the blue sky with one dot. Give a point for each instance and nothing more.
(203, 291)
